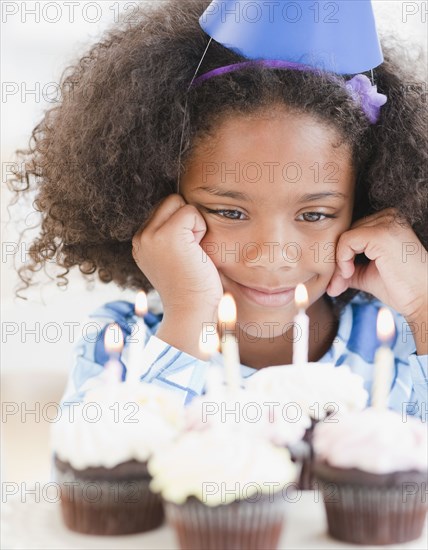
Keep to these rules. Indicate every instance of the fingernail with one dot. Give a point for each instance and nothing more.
(330, 291)
(341, 285)
(336, 286)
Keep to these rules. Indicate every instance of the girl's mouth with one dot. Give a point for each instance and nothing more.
(269, 298)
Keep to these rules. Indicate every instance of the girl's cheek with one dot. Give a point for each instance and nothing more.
(213, 246)
(320, 253)
(225, 252)
(324, 254)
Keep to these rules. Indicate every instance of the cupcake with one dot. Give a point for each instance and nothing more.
(223, 489)
(372, 469)
(320, 391)
(101, 448)
(246, 410)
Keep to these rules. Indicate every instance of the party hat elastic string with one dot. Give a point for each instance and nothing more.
(185, 114)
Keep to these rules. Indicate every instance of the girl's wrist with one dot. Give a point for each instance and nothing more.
(182, 329)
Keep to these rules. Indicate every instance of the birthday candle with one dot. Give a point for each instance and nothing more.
(136, 346)
(384, 359)
(113, 344)
(229, 344)
(301, 321)
(209, 344)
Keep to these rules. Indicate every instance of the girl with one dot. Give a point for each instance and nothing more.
(283, 179)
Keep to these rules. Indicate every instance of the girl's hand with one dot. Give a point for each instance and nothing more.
(397, 273)
(166, 249)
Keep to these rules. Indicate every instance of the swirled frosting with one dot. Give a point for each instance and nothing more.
(116, 423)
(249, 411)
(374, 440)
(218, 466)
(316, 387)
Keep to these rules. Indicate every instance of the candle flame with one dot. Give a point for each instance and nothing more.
(209, 343)
(227, 311)
(385, 325)
(141, 303)
(113, 339)
(301, 296)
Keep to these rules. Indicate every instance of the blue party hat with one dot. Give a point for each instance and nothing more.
(338, 37)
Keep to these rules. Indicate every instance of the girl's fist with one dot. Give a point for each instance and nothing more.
(167, 250)
(397, 273)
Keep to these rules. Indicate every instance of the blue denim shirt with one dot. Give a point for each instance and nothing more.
(355, 345)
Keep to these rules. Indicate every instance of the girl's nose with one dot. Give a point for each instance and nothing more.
(272, 248)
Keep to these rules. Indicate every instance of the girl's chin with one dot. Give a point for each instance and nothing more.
(266, 329)
(267, 320)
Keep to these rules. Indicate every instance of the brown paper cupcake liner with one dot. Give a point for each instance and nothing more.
(240, 525)
(104, 501)
(388, 511)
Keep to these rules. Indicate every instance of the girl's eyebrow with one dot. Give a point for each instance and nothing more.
(318, 196)
(237, 195)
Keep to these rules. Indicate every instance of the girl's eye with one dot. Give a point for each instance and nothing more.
(316, 216)
(228, 214)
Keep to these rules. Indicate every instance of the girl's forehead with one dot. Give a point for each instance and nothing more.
(283, 147)
(274, 135)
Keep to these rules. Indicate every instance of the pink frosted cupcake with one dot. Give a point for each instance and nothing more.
(248, 410)
(372, 468)
(320, 391)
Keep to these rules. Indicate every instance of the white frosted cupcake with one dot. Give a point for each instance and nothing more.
(101, 448)
(223, 488)
(247, 410)
(319, 390)
(372, 467)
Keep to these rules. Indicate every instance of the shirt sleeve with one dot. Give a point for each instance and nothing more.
(418, 405)
(164, 365)
(409, 392)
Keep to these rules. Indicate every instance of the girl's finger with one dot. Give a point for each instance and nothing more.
(162, 212)
(188, 224)
(355, 242)
(366, 221)
(358, 281)
(389, 215)
(337, 285)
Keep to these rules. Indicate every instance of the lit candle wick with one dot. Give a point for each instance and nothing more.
(229, 344)
(384, 359)
(113, 344)
(141, 303)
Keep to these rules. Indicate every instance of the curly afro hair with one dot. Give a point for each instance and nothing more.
(101, 159)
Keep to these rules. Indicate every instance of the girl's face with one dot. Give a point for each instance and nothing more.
(276, 193)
